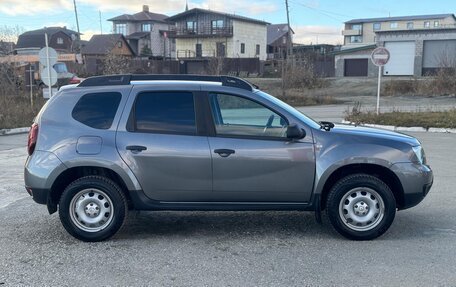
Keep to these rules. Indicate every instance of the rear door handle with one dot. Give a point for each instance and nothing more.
(136, 148)
(224, 152)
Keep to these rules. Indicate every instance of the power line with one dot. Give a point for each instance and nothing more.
(322, 12)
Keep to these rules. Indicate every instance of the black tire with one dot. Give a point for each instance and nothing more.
(93, 208)
(361, 207)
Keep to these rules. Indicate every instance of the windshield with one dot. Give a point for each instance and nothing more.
(290, 109)
(61, 68)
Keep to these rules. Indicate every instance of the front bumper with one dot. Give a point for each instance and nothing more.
(416, 180)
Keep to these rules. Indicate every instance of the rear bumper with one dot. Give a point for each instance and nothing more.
(39, 195)
(416, 180)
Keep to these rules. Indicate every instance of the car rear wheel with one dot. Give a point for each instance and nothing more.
(361, 207)
(93, 208)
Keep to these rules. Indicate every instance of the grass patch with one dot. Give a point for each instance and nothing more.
(425, 119)
(15, 111)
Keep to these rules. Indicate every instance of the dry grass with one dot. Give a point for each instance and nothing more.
(441, 84)
(293, 96)
(425, 119)
(15, 111)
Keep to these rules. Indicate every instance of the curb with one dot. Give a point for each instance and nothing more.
(16, 131)
(406, 129)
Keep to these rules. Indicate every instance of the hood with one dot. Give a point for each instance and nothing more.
(374, 133)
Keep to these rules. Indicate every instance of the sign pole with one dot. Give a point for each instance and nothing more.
(31, 85)
(378, 88)
(48, 64)
(380, 56)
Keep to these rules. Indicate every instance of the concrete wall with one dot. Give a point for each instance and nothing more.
(208, 45)
(250, 34)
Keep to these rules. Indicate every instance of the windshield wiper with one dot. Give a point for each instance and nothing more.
(327, 126)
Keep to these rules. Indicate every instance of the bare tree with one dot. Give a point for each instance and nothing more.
(116, 64)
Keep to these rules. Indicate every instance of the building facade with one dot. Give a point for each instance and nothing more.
(203, 33)
(418, 45)
(146, 32)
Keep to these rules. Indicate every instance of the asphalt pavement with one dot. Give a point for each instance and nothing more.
(229, 248)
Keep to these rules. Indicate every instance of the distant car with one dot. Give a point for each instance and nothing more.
(181, 142)
(64, 77)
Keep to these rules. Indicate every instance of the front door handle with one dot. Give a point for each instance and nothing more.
(224, 152)
(136, 148)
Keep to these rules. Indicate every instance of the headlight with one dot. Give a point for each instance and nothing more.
(419, 152)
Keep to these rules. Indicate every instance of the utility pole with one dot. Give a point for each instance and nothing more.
(76, 14)
(101, 25)
(289, 44)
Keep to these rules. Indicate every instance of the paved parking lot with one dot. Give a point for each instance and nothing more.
(229, 248)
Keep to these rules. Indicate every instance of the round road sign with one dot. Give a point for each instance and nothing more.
(52, 56)
(380, 56)
(45, 77)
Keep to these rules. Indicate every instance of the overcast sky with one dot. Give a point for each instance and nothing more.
(314, 21)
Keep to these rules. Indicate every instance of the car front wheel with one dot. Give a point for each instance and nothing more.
(361, 207)
(92, 208)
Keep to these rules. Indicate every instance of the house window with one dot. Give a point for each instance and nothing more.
(358, 27)
(356, 39)
(120, 29)
(377, 26)
(217, 26)
(59, 40)
(242, 48)
(410, 25)
(191, 26)
(257, 50)
(427, 24)
(436, 24)
(119, 44)
(393, 25)
(146, 27)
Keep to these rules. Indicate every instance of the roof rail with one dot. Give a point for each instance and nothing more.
(113, 80)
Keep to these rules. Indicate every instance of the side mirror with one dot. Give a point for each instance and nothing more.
(294, 132)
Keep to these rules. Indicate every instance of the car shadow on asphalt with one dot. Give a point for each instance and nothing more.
(237, 224)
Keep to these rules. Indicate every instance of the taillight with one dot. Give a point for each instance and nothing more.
(75, 80)
(32, 137)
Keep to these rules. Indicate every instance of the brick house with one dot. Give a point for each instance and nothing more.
(61, 39)
(100, 46)
(146, 32)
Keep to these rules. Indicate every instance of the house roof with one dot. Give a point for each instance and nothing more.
(103, 44)
(352, 50)
(232, 16)
(401, 18)
(141, 16)
(275, 31)
(138, 35)
(36, 38)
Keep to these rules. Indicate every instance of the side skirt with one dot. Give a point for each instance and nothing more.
(142, 202)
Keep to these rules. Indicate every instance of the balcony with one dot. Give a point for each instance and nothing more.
(352, 32)
(201, 31)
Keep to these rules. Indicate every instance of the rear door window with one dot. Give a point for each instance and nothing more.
(97, 110)
(165, 112)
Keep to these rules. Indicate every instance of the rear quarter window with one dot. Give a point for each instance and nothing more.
(97, 110)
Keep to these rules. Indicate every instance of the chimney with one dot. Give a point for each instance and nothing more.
(145, 8)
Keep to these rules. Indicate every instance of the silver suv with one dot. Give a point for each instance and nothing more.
(181, 142)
